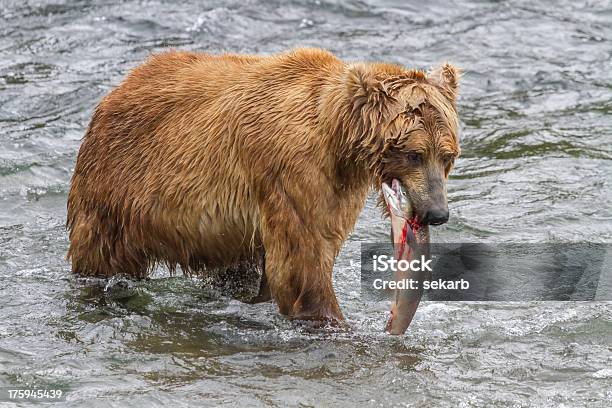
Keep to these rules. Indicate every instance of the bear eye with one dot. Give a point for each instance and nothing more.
(415, 158)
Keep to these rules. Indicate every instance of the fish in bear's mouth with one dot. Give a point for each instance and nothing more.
(398, 203)
(410, 239)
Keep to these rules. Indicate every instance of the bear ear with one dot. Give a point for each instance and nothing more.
(369, 94)
(446, 77)
(363, 84)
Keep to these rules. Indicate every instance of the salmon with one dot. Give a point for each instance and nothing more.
(411, 241)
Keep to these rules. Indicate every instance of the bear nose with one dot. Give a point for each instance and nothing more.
(436, 216)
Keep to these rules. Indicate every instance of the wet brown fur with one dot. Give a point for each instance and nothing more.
(206, 161)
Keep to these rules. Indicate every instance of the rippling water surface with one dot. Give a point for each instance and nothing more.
(536, 108)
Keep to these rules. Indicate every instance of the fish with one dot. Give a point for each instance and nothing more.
(410, 241)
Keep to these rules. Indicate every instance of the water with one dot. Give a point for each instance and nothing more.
(536, 109)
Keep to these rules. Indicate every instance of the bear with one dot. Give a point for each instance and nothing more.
(208, 162)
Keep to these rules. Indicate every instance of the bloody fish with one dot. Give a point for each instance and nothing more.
(410, 241)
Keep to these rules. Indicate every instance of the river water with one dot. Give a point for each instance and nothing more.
(536, 110)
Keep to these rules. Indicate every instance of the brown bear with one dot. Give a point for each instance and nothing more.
(212, 161)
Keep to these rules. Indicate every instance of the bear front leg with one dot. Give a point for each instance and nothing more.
(298, 266)
(263, 295)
